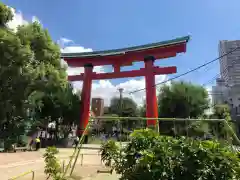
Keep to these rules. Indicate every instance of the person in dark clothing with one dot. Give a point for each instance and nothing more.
(76, 140)
(37, 141)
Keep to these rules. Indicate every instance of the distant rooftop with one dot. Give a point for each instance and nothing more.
(229, 41)
(180, 40)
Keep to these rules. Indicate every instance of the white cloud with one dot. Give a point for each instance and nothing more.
(106, 90)
(68, 46)
(76, 71)
(64, 42)
(73, 49)
(18, 20)
(35, 19)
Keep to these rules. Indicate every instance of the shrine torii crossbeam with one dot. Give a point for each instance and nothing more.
(124, 57)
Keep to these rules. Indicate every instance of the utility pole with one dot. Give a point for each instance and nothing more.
(121, 109)
(121, 100)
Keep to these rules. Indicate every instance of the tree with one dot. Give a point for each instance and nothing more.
(69, 110)
(5, 15)
(15, 76)
(221, 111)
(142, 110)
(60, 106)
(182, 100)
(128, 108)
(33, 83)
(221, 129)
(50, 93)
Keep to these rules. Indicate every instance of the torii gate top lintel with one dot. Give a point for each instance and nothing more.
(126, 56)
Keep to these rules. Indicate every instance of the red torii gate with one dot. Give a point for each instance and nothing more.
(125, 57)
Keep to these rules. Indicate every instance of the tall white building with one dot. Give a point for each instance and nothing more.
(230, 75)
(230, 64)
(219, 92)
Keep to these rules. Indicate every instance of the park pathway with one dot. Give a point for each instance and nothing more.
(12, 164)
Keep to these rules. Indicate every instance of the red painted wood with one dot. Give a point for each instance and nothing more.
(85, 98)
(116, 68)
(128, 57)
(151, 97)
(76, 78)
(133, 73)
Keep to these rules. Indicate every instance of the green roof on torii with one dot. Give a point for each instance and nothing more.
(114, 52)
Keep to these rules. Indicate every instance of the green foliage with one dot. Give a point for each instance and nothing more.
(142, 110)
(51, 98)
(6, 14)
(33, 83)
(222, 111)
(182, 100)
(52, 165)
(45, 50)
(15, 76)
(150, 156)
(126, 108)
(108, 151)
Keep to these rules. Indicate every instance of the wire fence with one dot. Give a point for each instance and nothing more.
(24, 174)
(119, 128)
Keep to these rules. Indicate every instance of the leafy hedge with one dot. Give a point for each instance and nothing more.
(52, 165)
(150, 156)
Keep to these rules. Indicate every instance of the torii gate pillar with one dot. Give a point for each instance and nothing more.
(151, 98)
(85, 98)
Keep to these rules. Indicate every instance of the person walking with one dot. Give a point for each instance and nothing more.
(37, 142)
(76, 140)
(31, 144)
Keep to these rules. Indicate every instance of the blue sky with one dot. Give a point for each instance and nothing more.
(109, 24)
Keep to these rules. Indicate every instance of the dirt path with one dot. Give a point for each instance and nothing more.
(13, 164)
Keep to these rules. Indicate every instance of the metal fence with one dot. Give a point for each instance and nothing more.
(24, 174)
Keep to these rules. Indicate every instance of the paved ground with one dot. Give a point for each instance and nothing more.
(12, 164)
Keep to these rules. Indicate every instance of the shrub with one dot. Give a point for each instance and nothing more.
(52, 165)
(108, 151)
(150, 156)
